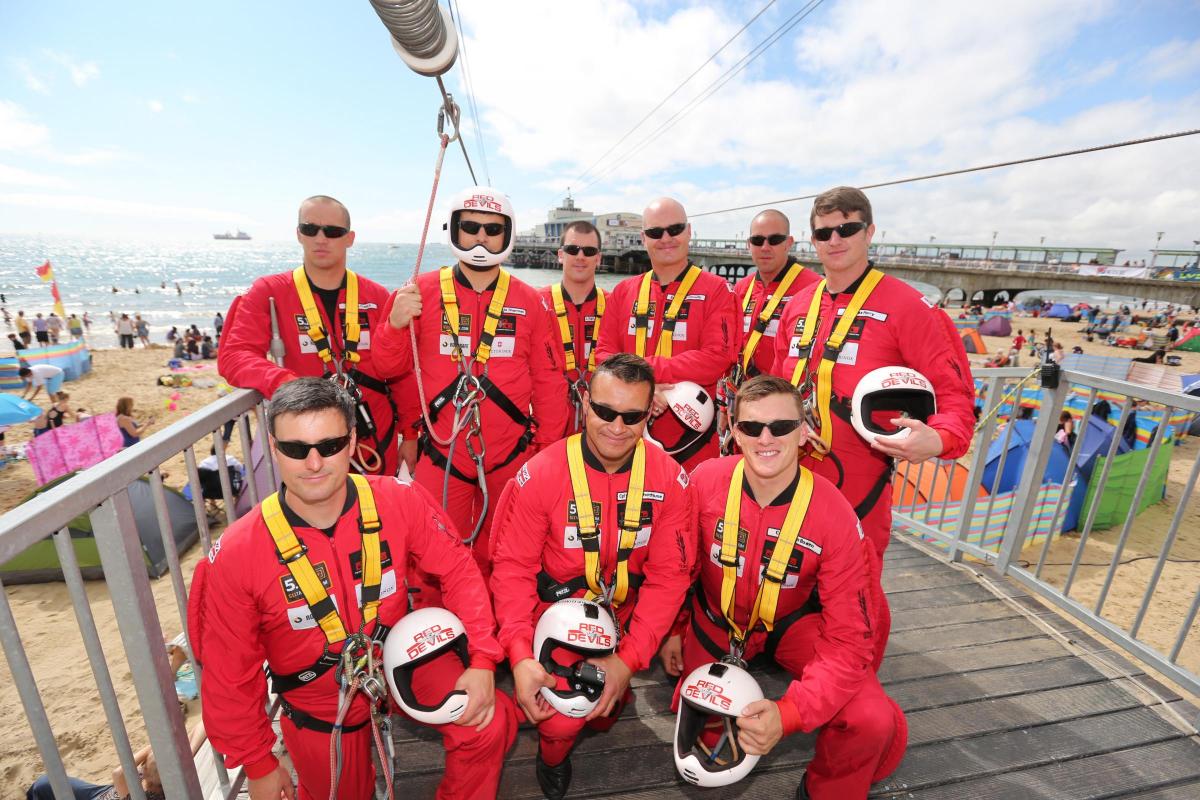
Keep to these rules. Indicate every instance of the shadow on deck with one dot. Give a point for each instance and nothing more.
(998, 707)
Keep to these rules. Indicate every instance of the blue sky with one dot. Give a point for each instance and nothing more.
(174, 120)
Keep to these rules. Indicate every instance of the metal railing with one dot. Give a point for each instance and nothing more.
(101, 492)
(1008, 501)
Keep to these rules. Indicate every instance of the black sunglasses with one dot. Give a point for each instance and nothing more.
(670, 230)
(609, 414)
(775, 239)
(330, 231)
(779, 427)
(574, 250)
(845, 231)
(325, 448)
(471, 227)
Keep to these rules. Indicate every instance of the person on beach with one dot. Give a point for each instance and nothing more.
(678, 317)
(75, 326)
(38, 376)
(55, 416)
(125, 331)
(218, 324)
(476, 326)
(889, 324)
(87, 322)
(143, 330)
(746, 509)
(329, 318)
(41, 330)
(23, 328)
(17, 344)
(54, 326)
(578, 306)
(534, 565)
(247, 607)
(132, 431)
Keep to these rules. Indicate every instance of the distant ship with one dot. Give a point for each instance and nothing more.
(241, 235)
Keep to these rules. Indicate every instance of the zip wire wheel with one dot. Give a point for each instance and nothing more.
(419, 34)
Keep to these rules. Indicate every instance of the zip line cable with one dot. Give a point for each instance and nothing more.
(456, 17)
(964, 171)
(675, 91)
(448, 101)
(714, 87)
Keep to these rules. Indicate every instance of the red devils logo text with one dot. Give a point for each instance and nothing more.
(903, 379)
(689, 415)
(485, 201)
(593, 635)
(711, 694)
(429, 639)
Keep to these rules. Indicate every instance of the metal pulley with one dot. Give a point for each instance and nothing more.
(422, 34)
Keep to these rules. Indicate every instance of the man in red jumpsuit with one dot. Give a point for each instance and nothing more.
(894, 325)
(498, 358)
(678, 317)
(578, 305)
(247, 607)
(539, 555)
(346, 343)
(805, 607)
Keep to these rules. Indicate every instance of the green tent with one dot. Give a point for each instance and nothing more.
(1191, 344)
(1123, 477)
(39, 562)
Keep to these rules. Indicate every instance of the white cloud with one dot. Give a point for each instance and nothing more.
(12, 176)
(81, 72)
(155, 105)
(108, 206)
(32, 81)
(89, 156)
(17, 130)
(1173, 59)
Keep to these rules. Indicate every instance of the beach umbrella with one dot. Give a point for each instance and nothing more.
(14, 410)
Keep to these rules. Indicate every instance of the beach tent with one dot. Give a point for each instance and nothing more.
(1058, 311)
(1189, 341)
(258, 471)
(73, 357)
(973, 341)
(39, 563)
(998, 325)
(1123, 478)
(74, 447)
(931, 482)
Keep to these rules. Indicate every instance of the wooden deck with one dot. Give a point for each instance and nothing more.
(997, 708)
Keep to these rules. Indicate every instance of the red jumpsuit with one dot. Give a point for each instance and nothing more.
(244, 609)
(523, 368)
(822, 633)
(536, 533)
(764, 353)
(905, 330)
(246, 338)
(582, 321)
(704, 342)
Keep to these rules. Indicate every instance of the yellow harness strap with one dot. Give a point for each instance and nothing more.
(596, 330)
(316, 331)
(642, 313)
(833, 346)
(589, 534)
(767, 600)
(564, 327)
(483, 351)
(294, 555)
(764, 316)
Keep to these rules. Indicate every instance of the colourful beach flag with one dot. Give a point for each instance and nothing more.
(46, 272)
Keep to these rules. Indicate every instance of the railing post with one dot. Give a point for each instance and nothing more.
(1032, 473)
(124, 565)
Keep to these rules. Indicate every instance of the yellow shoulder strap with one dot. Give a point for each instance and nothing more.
(450, 307)
(316, 331)
(495, 308)
(764, 317)
(666, 335)
(564, 326)
(294, 554)
(589, 534)
(372, 562)
(812, 320)
(641, 312)
(632, 523)
(353, 328)
(596, 329)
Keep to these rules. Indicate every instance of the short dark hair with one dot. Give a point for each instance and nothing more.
(581, 226)
(308, 395)
(628, 368)
(762, 386)
(845, 199)
(24, 372)
(325, 199)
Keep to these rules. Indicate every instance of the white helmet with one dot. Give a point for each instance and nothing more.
(886, 393)
(578, 627)
(417, 638)
(694, 409)
(717, 690)
(492, 201)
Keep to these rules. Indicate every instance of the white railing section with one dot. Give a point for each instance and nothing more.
(962, 508)
(101, 492)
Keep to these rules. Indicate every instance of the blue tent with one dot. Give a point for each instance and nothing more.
(1096, 440)
(1059, 311)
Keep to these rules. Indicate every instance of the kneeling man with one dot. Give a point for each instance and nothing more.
(635, 557)
(785, 572)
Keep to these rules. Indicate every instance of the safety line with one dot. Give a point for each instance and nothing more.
(449, 102)
(966, 170)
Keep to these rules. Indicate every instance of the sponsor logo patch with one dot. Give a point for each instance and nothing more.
(523, 475)
(291, 589)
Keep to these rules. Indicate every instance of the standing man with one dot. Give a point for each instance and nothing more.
(854, 321)
(218, 324)
(578, 306)
(23, 328)
(263, 595)
(770, 534)
(486, 359)
(633, 551)
(54, 325)
(681, 319)
(41, 330)
(75, 327)
(328, 319)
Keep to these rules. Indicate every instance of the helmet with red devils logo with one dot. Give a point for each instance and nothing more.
(706, 748)
(490, 201)
(887, 393)
(695, 411)
(416, 639)
(567, 630)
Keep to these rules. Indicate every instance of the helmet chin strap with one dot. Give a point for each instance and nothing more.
(478, 267)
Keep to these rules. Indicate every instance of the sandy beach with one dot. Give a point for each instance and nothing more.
(48, 629)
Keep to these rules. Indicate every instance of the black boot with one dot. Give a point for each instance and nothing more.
(555, 780)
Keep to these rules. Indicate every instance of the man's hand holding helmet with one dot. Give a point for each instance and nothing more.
(480, 686)
(922, 442)
(760, 727)
(528, 678)
(616, 680)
